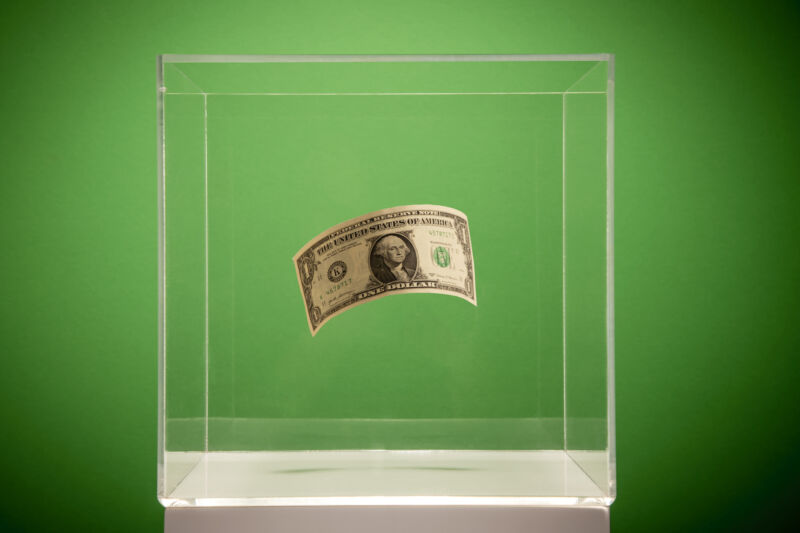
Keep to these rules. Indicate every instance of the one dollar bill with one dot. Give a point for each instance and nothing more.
(411, 248)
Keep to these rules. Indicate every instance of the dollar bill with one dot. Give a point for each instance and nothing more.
(411, 248)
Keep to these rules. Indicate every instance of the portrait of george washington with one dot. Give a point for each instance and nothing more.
(393, 258)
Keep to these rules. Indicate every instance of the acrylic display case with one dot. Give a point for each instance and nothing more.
(415, 399)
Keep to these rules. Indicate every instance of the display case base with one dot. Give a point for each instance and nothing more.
(388, 519)
(381, 477)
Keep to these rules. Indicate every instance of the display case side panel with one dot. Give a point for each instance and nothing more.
(610, 292)
(184, 271)
(221, 244)
(585, 296)
(161, 414)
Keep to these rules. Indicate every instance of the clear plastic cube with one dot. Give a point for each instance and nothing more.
(415, 399)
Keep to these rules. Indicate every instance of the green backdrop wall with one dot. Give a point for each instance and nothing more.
(708, 261)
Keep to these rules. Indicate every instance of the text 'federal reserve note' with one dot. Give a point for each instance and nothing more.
(411, 248)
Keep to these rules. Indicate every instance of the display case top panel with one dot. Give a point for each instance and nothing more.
(384, 74)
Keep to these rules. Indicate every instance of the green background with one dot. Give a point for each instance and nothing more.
(708, 262)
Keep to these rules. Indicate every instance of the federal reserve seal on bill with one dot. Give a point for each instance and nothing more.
(411, 248)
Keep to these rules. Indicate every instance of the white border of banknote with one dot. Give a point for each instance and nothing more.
(306, 264)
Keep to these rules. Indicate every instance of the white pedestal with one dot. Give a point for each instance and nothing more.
(387, 519)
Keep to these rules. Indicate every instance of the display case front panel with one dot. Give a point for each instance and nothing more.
(410, 398)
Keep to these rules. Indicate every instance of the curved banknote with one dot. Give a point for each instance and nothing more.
(411, 248)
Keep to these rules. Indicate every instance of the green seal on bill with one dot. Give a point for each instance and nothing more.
(441, 256)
